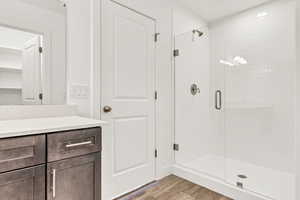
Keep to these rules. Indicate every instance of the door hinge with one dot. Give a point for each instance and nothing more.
(155, 153)
(176, 53)
(41, 49)
(176, 147)
(155, 95)
(41, 96)
(156, 37)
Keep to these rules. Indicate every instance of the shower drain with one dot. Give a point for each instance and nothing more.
(240, 184)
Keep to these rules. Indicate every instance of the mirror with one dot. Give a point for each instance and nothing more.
(32, 52)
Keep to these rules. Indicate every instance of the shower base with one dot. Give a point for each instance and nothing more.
(258, 183)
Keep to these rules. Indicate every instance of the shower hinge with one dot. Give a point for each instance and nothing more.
(156, 37)
(155, 95)
(176, 147)
(176, 53)
(41, 49)
(155, 153)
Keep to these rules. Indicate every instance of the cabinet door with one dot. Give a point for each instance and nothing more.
(25, 184)
(75, 179)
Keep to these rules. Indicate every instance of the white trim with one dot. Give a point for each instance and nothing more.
(96, 70)
(173, 88)
(156, 113)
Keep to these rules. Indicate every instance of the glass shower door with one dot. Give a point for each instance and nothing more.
(199, 146)
(259, 65)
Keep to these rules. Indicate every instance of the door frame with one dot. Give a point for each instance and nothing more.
(97, 70)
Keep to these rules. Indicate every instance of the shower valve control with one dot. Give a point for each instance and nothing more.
(195, 89)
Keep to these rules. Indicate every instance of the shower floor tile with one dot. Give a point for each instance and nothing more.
(271, 183)
(173, 188)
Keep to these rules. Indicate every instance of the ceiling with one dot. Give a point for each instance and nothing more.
(212, 10)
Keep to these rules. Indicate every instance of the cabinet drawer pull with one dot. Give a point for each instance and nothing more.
(54, 183)
(78, 144)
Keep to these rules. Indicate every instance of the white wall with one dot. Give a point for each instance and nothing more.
(16, 112)
(79, 52)
(185, 20)
(52, 26)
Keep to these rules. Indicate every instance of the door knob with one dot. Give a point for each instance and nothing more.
(107, 109)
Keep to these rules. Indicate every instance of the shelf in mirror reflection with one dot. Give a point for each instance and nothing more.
(11, 88)
(10, 69)
(10, 50)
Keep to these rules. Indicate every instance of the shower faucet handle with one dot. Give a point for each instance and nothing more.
(195, 89)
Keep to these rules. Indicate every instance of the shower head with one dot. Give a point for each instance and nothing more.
(198, 32)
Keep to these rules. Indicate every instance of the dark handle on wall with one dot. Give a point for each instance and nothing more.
(218, 100)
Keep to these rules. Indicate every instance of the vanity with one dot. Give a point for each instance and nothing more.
(47, 152)
(55, 158)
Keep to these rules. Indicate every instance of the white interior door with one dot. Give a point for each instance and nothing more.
(31, 74)
(128, 88)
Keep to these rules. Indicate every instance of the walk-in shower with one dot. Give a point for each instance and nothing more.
(237, 132)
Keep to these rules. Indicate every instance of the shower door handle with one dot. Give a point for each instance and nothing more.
(218, 100)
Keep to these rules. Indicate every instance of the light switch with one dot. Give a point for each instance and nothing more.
(79, 91)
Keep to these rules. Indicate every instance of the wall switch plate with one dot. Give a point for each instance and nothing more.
(79, 91)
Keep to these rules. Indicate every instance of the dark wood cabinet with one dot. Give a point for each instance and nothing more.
(25, 184)
(75, 179)
(71, 171)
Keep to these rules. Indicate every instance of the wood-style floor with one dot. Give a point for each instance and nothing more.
(173, 188)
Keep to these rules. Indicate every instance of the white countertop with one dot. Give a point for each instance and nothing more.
(23, 127)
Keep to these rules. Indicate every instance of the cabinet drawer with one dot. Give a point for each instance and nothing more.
(16, 153)
(69, 144)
